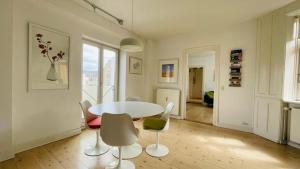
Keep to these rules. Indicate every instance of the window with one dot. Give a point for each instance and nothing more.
(297, 52)
(99, 73)
(292, 68)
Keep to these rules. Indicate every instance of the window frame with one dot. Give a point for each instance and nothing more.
(101, 47)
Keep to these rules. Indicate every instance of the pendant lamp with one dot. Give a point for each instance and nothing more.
(131, 44)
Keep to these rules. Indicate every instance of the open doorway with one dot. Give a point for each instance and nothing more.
(195, 85)
(201, 86)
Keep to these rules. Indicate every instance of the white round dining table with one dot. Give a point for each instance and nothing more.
(134, 109)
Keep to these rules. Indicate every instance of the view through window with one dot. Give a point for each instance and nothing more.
(99, 73)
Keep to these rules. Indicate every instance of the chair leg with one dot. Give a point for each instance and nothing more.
(99, 148)
(157, 150)
(157, 140)
(97, 139)
(120, 157)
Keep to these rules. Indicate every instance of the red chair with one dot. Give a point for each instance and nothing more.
(93, 122)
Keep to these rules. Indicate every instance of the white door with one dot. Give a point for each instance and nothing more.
(267, 118)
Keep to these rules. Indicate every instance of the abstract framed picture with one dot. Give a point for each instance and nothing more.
(135, 65)
(48, 60)
(168, 71)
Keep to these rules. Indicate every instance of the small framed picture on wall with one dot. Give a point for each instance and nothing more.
(135, 65)
(168, 70)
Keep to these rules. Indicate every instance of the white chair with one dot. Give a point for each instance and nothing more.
(93, 122)
(159, 150)
(135, 149)
(118, 130)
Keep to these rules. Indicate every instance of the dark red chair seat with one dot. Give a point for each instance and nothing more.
(95, 123)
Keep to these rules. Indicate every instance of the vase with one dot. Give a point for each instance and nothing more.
(52, 74)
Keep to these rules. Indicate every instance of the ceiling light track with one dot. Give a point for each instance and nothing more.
(94, 6)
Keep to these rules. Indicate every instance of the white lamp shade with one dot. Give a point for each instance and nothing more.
(131, 45)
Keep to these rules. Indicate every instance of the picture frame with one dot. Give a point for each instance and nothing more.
(48, 58)
(135, 65)
(168, 70)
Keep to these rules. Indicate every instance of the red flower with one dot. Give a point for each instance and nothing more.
(41, 46)
(45, 47)
(44, 51)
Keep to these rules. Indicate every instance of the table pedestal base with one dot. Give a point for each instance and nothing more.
(97, 150)
(128, 152)
(125, 164)
(157, 150)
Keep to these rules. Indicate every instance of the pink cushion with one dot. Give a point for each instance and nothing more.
(95, 123)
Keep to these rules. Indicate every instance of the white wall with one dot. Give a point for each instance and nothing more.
(140, 85)
(236, 104)
(207, 61)
(135, 82)
(43, 116)
(6, 14)
(150, 68)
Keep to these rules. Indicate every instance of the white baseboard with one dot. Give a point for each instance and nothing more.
(45, 140)
(6, 155)
(176, 117)
(268, 137)
(296, 145)
(235, 127)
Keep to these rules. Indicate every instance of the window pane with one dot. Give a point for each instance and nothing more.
(109, 75)
(90, 74)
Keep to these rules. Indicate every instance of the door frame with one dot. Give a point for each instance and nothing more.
(100, 67)
(185, 74)
(203, 80)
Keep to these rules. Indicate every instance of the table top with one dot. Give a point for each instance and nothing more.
(132, 108)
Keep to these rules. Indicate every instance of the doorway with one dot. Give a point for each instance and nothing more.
(99, 73)
(201, 86)
(195, 85)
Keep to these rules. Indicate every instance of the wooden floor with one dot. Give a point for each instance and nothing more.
(197, 112)
(192, 146)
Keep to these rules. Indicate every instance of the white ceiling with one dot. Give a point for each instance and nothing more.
(154, 19)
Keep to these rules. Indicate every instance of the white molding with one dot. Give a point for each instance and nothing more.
(235, 127)
(267, 137)
(290, 143)
(176, 117)
(6, 155)
(45, 140)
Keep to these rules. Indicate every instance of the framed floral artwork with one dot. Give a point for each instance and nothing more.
(48, 65)
(135, 65)
(168, 70)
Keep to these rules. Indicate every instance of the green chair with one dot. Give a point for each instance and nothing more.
(158, 125)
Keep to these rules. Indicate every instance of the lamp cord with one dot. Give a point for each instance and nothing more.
(132, 15)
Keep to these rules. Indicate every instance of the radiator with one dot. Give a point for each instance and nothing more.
(164, 96)
(295, 125)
